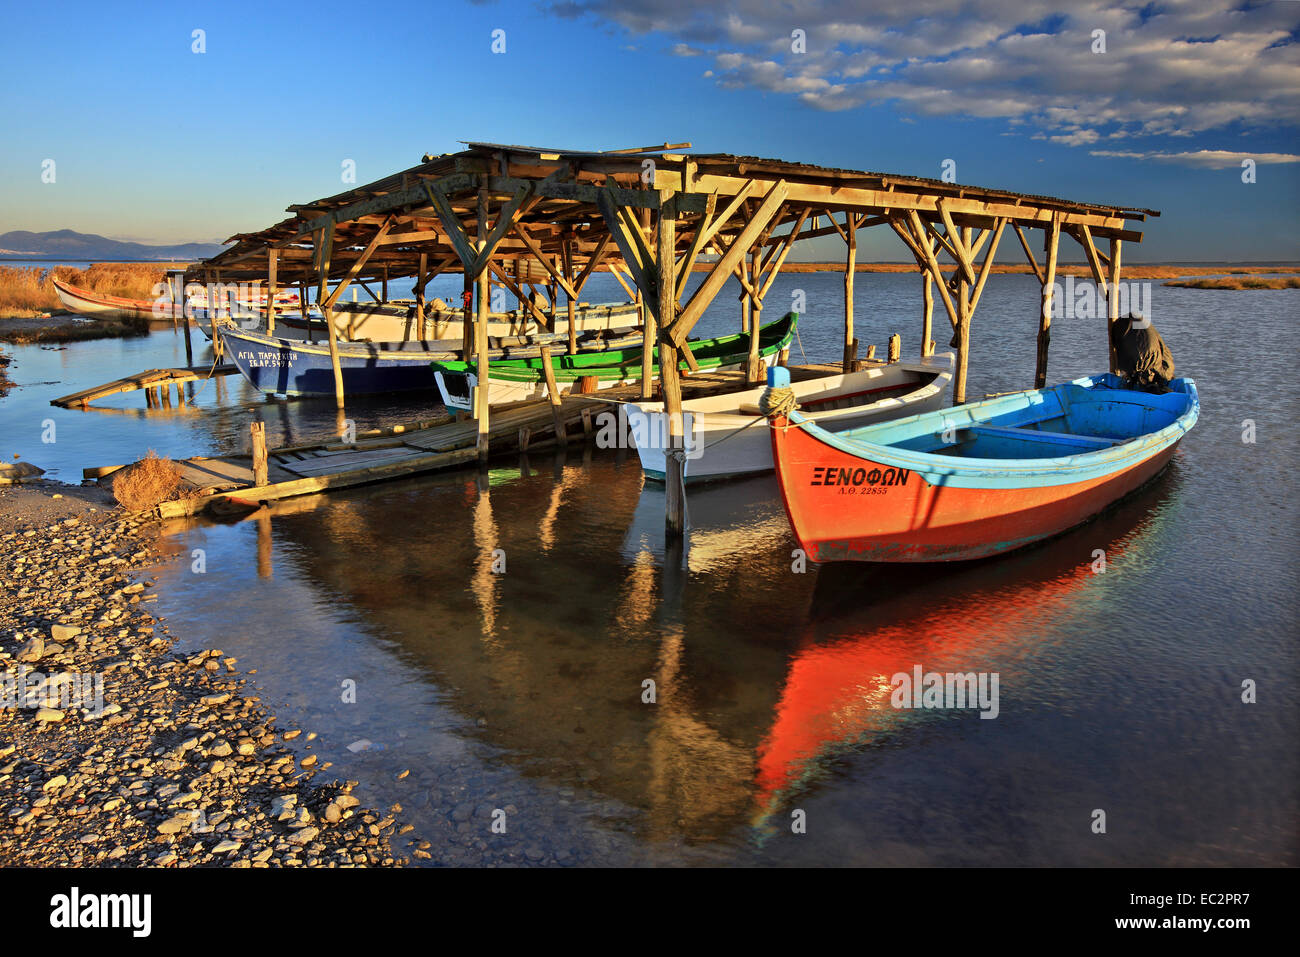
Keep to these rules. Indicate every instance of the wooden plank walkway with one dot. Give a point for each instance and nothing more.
(427, 446)
(149, 379)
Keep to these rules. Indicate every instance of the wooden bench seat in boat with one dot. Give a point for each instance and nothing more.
(1037, 435)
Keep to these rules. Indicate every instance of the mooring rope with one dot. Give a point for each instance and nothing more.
(777, 400)
(216, 359)
(799, 339)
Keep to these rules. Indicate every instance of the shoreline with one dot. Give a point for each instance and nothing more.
(179, 767)
(64, 327)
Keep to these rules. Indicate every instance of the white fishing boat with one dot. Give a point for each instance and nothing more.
(395, 321)
(726, 435)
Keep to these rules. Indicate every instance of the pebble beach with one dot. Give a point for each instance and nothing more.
(117, 751)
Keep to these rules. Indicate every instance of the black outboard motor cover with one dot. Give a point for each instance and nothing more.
(1142, 359)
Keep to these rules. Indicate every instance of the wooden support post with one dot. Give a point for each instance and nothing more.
(257, 431)
(325, 243)
(272, 256)
(871, 352)
(746, 292)
(850, 264)
(179, 296)
(648, 336)
(481, 336)
(1112, 288)
(420, 280)
(566, 262)
(927, 313)
(666, 285)
(304, 308)
(962, 243)
(753, 363)
(895, 347)
(383, 294)
(553, 395)
(1051, 241)
(466, 317)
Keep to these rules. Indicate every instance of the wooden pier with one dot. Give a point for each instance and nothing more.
(157, 384)
(397, 452)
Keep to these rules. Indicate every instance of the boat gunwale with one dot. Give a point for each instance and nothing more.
(973, 472)
(368, 350)
(941, 371)
(630, 367)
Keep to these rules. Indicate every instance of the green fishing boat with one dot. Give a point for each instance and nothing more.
(512, 380)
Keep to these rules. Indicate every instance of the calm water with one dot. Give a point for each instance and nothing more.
(1118, 691)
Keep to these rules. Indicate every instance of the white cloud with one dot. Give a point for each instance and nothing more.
(1203, 159)
(1180, 69)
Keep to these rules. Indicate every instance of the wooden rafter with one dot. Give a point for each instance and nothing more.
(723, 268)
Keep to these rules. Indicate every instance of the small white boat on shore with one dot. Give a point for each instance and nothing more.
(726, 435)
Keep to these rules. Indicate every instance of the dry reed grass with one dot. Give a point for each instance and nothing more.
(149, 482)
(27, 290)
(1253, 282)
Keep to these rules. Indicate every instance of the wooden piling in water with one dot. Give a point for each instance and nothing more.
(272, 260)
(481, 407)
(257, 433)
(553, 394)
(1051, 242)
(850, 265)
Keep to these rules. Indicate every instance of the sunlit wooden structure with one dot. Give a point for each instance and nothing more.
(538, 220)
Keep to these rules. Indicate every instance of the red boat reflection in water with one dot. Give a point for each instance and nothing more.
(996, 616)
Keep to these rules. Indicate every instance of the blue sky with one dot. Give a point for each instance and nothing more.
(156, 143)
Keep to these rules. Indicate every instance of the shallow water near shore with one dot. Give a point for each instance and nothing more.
(374, 617)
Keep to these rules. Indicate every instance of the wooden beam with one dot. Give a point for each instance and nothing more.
(791, 238)
(519, 204)
(640, 271)
(987, 268)
(925, 253)
(481, 295)
(356, 267)
(595, 260)
(1084, 237)
(674, 456)
(524, 299)
(927, 313)
(687, 263)
(613, 271)
(545, 260)
(1024, 244)
(723, 267)
(1112, 300)
(850, 265)
(1052, 240)
(324, 245)
(451, 223)
(272, 255)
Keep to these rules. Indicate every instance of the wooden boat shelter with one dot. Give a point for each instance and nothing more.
(543, 221)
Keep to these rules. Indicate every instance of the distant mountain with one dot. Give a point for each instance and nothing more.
(68, 244)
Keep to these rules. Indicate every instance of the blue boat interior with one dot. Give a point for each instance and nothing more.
(1070, 419)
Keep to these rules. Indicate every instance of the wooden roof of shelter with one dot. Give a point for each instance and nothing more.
(553, 200)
